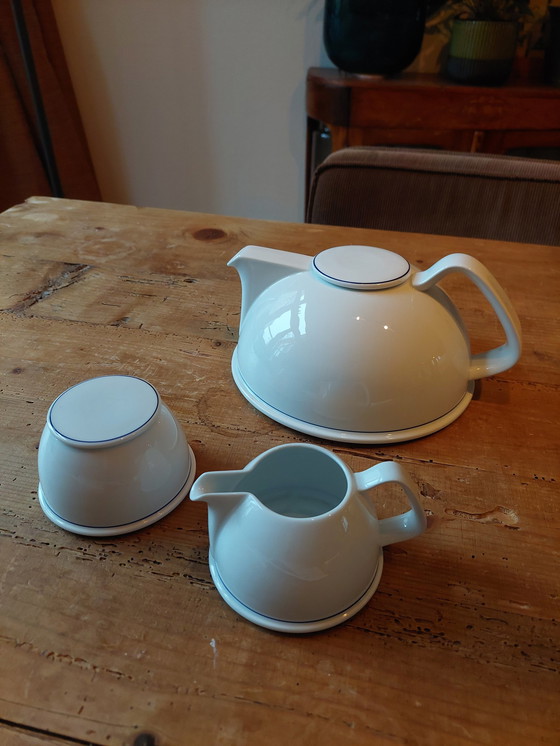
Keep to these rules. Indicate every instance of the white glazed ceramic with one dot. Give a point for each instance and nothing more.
(358, 345)
(295, 543)
(112, 458)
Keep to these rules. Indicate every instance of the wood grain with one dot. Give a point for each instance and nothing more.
(125, 640)
(15, 736)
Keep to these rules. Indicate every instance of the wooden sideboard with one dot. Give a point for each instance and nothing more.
(426, 110)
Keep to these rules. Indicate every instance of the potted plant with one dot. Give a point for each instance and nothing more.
(484, 40)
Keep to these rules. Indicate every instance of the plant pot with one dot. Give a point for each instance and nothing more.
(481, 52)
(379, 37)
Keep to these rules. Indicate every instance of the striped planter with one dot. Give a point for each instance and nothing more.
(481, 52)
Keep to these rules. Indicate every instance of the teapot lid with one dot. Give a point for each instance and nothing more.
(361, 267)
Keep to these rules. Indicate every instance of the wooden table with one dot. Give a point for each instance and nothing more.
(126, 641)
(426, 110)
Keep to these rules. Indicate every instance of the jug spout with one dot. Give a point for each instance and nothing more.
(259, 267)
(218, 490)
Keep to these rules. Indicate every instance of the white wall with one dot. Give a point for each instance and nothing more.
(196, 104)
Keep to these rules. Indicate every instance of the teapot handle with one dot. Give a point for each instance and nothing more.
(500, 358)
(398, 527)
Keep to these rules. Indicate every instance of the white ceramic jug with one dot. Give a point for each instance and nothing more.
(358, 345)
(295, 542)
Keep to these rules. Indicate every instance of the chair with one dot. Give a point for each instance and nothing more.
(474, 195)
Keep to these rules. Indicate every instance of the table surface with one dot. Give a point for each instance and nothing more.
(126, 641)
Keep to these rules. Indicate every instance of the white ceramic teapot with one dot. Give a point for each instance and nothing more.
(358, 345)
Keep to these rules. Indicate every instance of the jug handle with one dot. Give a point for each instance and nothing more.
(398, 527)
(500, 358)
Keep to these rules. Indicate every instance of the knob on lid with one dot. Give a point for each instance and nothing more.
(361, 267)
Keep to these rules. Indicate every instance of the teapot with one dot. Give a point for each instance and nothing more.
(358, 345)
(295, 542)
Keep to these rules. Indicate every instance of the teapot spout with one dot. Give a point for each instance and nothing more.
(259, 267)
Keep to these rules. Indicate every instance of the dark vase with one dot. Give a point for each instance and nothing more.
(379, 37)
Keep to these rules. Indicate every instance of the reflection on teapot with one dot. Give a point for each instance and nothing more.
(295, 543)
(357, 345)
